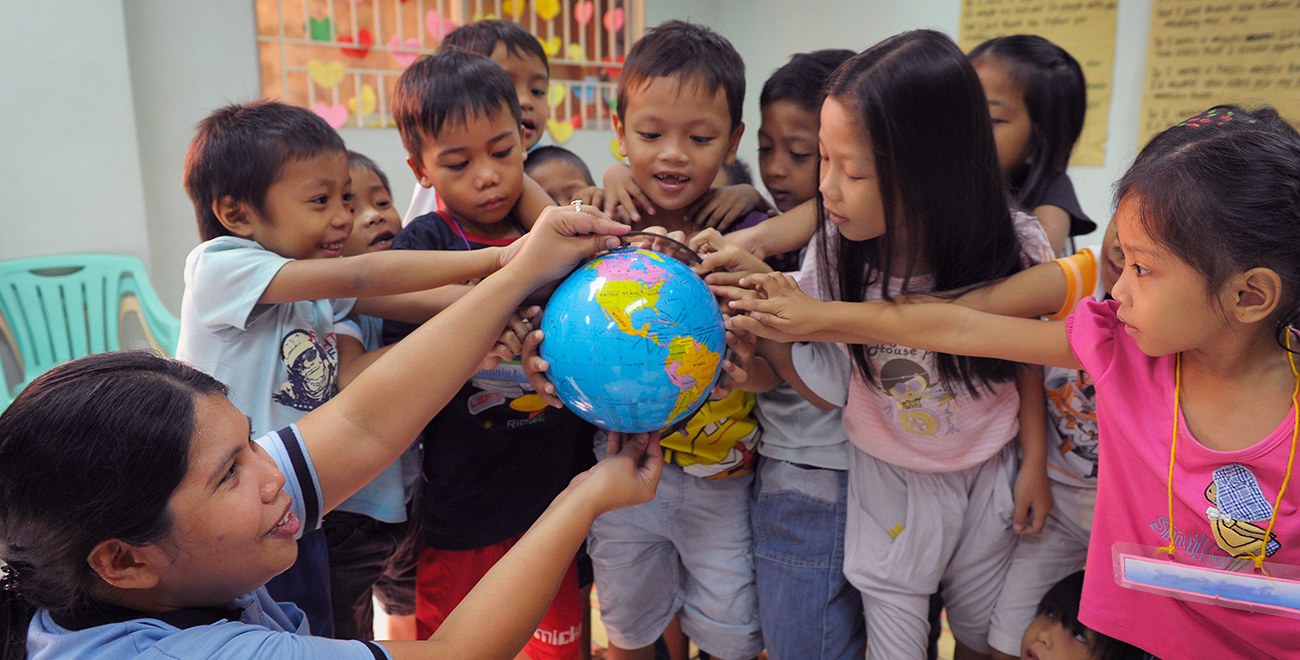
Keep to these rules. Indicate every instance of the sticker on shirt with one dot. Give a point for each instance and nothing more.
(505, 385)
(920, 403)
(311, 368)
(1072, 404)
(1239, 515)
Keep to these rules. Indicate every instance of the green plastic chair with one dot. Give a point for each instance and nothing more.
(58, 308)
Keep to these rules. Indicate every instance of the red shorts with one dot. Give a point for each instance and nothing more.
(445, 577)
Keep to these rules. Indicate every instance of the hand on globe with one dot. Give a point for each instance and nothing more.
(781, 311)
(628, 474)
(535, 369)
(560, 240)
(510, 343)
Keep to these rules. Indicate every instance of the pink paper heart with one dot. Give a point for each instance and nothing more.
(395, 48)
(583, 12)
(335, 115)
(438, 26)
(614, 20)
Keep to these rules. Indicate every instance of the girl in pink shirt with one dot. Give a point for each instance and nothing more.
(1195, 372)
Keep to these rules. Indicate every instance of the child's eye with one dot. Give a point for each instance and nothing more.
(1140, 271)
(383, 203)
(458, 166)
(348, 197)
(539, 93)
(798, 157)
(648, 136)
(1080, 637)
(503, 153)
(323, 199)
(700, 139)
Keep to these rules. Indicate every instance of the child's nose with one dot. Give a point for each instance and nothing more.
(673, 150)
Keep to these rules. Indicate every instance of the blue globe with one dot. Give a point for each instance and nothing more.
(634, 339)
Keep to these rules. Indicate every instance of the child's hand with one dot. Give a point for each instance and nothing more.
(1033, 499)
(623, 196)
(721, 207)
(535, 369)
(735, 367)
(561, 238)
(781, 312)
(591, 195)
(511, 341)
(628, 474)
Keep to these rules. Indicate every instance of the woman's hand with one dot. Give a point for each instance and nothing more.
(561, 239)
(781, 311)
(628, 474)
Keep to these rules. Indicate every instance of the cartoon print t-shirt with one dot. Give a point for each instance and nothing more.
(911, 419)
(280, 361)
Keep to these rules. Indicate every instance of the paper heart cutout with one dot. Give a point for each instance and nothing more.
(368, 101)
(576, 53)
(404, 53)
(547, 9)
(583, 12)
(555, 94)
(512, 8)
(613, 147)
(482, 17)
(614, 20)
(318, 28)
(335, 115)
(561, 131)
(612, 72)
(437, 26)
(576, 120)
(364, 41)
(550, 46)
(325, 75)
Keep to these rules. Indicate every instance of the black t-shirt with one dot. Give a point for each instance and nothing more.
(1060, 193)
(495, 456)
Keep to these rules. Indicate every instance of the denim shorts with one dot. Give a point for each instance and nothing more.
(806, 606)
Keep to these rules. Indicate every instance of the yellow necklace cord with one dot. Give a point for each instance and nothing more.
(1258, 557)
(1173, 449)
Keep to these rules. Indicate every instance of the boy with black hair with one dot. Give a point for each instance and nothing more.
(518, 52)
(496, 456)
(1057, 634)
(271, 187)
(561, 173)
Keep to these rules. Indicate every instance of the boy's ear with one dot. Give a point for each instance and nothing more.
(235, 216)
(421, 175)
(1255, 294)
(126, 566)
(735, 144)
(620, 135)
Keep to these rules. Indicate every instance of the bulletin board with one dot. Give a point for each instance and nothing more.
(1084, 28)
(1203, 53)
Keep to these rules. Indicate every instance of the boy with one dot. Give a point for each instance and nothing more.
(522, 57)
(496, 456)
(1057, 634)
(562, 174)
(270, 187)
(678, 122)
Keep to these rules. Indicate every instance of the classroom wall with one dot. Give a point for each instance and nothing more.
(96, 164)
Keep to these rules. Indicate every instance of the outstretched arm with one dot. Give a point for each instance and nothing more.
(787, 314)
(789, 231)
(378, 274)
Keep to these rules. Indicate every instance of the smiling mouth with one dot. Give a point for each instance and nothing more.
(383, 236)
(672, 179)
(332, 247)
(288, 523)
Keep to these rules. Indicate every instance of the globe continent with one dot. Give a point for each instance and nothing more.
(634, 340)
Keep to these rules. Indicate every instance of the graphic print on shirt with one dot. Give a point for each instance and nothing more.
(1239, 514)
(920, 403)
(505, 385)
(311, 368)
(1072, 402)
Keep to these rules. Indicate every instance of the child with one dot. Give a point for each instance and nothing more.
(561, 173)
(270, 186)
(1057, 634)
(1037, 99)
(931, 502)
(495, 458)
(522, 57)
(167, 558)
(1200, 327)
(371, 537)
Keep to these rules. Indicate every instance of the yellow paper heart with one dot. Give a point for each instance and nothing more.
(556, 94)
(325, 75)
(550, 46)
(482, 17)
(512, 8)
(561, 131)
(368, 101)
(576, 53)
(547, 9)
(613, 147)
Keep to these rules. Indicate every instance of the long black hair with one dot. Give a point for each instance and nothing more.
(1056, 98)
(1222, 192)
(92, 450)
(924, 110)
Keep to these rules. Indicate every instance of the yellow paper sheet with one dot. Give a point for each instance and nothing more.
(1203, 53)
(1084, 28)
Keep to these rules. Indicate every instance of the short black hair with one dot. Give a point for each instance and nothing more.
(543, 155)
(449, 87)
(690, 53)
(803, 79)
(360, 160)
(482, 37)
(737, 172)
(1061, 604)
(239, 151)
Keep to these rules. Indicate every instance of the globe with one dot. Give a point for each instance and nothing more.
(634, 339)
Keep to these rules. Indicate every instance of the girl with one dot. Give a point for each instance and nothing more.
(1037, 100)
(1194, 367)
(139, 519)
(915, 201)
